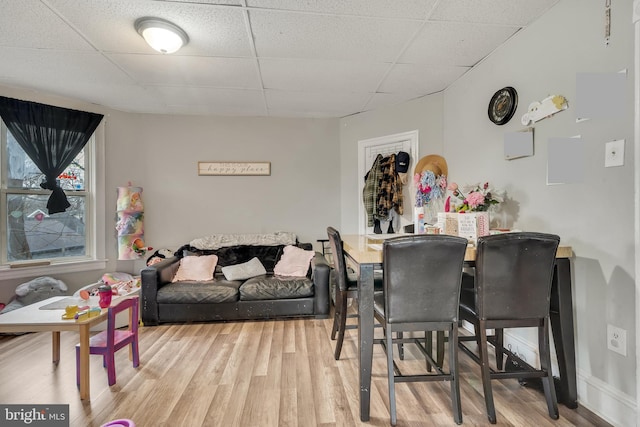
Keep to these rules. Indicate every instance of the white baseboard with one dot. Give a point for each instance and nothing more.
(610, 404)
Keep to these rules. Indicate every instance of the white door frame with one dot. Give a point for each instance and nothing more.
(636, 166)
(385, 145)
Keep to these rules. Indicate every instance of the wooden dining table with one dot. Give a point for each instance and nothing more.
(365, 252)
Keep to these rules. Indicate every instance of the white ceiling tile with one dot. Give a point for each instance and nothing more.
(191, 70)
(455, 43)
(414, 9)
(316, 75)
(61, 68)
(420, 79)
(29, 23)
(212, 30)
(212, 98)
(307, 114)
(211, 2)
(296, 35)
(316, 101)
(383, 100)
(505, 12)
(228, 110)
(131, 98)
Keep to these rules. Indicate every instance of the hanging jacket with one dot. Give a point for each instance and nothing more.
(370, 190)
(390, 189)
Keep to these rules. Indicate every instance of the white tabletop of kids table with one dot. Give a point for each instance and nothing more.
(37, 318)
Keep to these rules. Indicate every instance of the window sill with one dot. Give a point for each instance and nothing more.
(51, 269)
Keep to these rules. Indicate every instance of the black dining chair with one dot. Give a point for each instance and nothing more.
(345, 286)
(422, 277)
(512, 289)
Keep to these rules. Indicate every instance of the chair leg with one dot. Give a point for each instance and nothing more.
(342, 324)
(336, 315)
(135, 352)
(476, 331)
(440, 348)
(78, 366)
(400, 346)
(545, 365)
(499, 345)
(111, 368)
(390, 375)
(456, 406)
(428, 346)
(486, 372)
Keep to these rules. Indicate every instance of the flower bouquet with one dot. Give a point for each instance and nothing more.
(475, 198)
(473, 203)
(429, 187)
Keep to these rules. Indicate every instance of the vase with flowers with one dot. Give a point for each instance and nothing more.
(473, 203)
(430, 192)
(475, 198)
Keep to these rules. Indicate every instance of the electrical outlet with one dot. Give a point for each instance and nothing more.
(614, 153)
(617, 339)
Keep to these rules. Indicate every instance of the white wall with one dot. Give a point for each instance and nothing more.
(160, 154)
(595, 216)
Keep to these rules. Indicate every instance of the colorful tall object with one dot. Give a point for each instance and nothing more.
(130, 224)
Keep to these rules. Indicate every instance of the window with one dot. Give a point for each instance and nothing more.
(29, 232)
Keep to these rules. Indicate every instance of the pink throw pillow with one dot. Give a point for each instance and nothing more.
(293, 262)
(196, 268)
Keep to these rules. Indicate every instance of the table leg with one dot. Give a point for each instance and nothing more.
(55, 346)
(563, 332)
(365, 337)
(84, 362)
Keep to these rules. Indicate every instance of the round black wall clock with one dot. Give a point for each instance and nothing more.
(503, 105)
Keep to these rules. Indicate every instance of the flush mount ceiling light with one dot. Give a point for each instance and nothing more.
(162, 35)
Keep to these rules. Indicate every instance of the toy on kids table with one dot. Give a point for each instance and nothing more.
(120, 284)
(35, 290)
(106, 293)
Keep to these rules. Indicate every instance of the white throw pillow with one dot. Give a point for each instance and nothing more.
(246, 270)
(293, 262)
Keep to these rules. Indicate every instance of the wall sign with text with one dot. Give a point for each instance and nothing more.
(234, 168)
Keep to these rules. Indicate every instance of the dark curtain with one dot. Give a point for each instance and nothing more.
(52, 137)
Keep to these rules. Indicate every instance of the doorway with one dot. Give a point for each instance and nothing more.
(368, 150)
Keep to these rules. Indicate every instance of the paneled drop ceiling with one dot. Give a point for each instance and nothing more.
(280, 58)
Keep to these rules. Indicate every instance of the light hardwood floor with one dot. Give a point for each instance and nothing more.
(262, 374)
